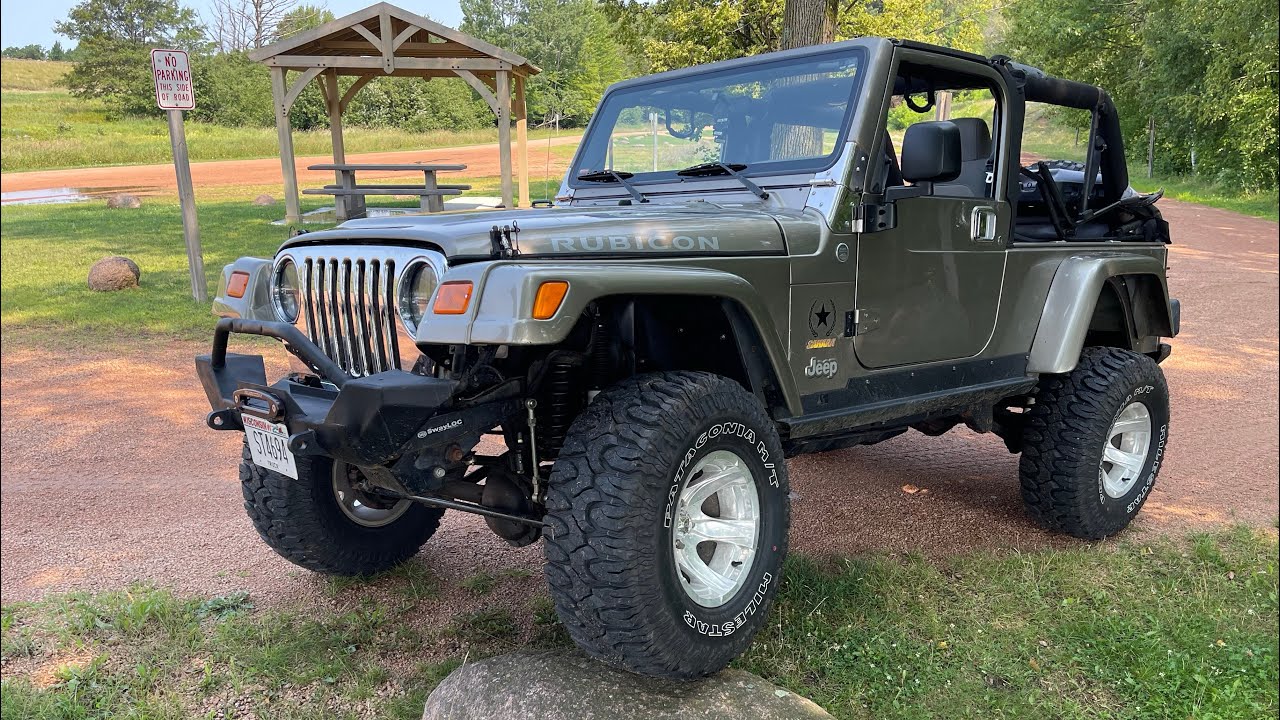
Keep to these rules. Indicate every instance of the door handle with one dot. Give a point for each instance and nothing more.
(983, 223)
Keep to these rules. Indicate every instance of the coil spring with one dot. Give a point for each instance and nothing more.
(560, 408)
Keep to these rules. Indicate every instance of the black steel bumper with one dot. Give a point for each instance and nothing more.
(364, 421)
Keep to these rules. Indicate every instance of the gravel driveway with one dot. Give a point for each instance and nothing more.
(109, 475)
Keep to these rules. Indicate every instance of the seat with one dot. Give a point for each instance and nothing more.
(975, 155)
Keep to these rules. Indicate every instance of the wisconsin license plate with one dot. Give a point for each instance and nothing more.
(269, 445)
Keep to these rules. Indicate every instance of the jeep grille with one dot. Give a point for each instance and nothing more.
(350, 303)
(349, 306)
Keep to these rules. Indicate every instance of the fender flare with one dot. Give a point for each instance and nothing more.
(1073, 296)
(501, 311)
(255, 304)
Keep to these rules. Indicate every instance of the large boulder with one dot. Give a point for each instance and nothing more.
(114, 273)
(565, 685)
(124, 200)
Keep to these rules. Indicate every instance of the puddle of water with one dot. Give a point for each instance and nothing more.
(62, 195)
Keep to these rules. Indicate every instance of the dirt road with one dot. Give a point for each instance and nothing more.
(481, 161)
(109, 475)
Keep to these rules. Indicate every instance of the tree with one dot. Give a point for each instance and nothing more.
(809, 22)
(26, 52)
(1204, 70)
(115, 39)
(301, 18)
(56, 52)
(239, 25)
(570, 40)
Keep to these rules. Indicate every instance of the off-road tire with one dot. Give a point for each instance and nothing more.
(1063, 439)
(300, 519)
(609, 557)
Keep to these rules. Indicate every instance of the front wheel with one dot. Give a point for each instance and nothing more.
(1093, 443)
(324, 522)
(667, 517)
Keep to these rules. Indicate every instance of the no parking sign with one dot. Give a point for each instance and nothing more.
(172, 72)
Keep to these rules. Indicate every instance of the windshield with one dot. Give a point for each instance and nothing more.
(769, 118)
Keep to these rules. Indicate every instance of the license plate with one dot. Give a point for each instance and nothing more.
(269, 445)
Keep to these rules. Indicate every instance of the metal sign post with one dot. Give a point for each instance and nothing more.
(175, 93)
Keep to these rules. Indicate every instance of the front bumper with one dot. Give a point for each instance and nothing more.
(367, 421)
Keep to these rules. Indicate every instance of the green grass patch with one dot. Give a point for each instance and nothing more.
(1159, 629)
(17, 74)
(51, 129)
(47, 251)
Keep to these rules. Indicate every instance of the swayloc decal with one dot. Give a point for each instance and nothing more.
(634, 243)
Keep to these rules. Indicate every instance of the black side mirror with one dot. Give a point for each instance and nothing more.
(931, 152)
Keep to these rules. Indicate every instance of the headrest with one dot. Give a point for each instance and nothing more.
(975, 138)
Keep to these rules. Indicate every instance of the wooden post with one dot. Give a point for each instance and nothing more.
(333, 99)
(1151, 146)
(522, 141)
(503, 91)
(187, 198)
(293, 211)
(431, 203)
(943, 110)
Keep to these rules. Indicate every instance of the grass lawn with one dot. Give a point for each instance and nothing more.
(17, 74)
(44, 128)
(47, 250)
(1162, 629)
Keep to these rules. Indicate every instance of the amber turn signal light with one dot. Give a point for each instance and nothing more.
(547, 301)
(452, 298)
(237, 284)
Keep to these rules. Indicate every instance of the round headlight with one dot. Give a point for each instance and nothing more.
(286, 293)
(416, 286)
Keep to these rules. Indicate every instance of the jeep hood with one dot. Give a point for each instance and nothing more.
(639, 230)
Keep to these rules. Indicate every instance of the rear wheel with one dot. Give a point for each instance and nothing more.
(667, 517)
(1093, 443)
(324, 522)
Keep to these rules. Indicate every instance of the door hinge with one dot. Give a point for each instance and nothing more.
(873, 217)
(860, 322)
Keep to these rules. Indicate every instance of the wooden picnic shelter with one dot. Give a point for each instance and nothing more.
(385, 40)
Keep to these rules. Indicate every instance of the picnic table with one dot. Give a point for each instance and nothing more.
(349, 195)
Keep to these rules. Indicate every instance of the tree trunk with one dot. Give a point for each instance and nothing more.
(804, 22)
(808, 22)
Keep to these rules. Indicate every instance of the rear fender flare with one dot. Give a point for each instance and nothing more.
(1073, 296)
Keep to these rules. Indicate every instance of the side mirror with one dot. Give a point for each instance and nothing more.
(931, 152)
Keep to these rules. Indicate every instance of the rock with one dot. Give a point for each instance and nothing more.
(566, 685)
(114, 273)
(264, 200)
(124, 200)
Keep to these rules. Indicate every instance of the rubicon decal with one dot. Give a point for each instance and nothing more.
(634, 243)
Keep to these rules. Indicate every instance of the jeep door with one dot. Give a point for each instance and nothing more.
(928, 286)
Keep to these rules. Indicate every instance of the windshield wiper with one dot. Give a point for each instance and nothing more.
(719, 168)
(618, 177)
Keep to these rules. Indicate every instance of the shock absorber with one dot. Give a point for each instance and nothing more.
(601, 355)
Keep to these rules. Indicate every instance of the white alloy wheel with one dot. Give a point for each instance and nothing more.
(716, 528)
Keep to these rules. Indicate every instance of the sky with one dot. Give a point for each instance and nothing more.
(23, 22)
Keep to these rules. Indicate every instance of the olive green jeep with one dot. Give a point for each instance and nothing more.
(746, 261)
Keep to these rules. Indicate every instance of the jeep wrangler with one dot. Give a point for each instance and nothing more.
(745, 261)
